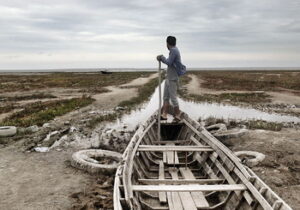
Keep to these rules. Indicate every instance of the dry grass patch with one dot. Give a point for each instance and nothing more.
(85, 81)
(27, 97)
(144, 92)
(41, 112)
(250, 98)
(250, 80)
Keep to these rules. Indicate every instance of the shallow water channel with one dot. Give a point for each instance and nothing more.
(201, 110)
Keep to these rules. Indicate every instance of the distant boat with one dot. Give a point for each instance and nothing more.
(105, 72)
(187, 169)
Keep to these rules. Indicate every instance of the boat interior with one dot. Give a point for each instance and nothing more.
(185, 167)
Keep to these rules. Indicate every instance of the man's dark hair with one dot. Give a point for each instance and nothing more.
(171, 40)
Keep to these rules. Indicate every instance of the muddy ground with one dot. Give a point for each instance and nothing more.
(31, 180)
(281, 168)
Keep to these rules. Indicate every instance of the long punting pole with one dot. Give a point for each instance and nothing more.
(159, 101)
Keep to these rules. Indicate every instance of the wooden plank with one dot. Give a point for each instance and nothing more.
(198, 197)
(187, 201)
(224, 152)
(175, 195)
(171, 141)
(196, 141)
(116, 192)
(225, 174)
(180, 181)
(189, 188)
(259, 197)
(170, 201)
(206, 167)
(162, 195)
(176, 159)
(217, 145)
(174, 148)
(170, 155)
(174, 201)
(128, 156)
(172, 145)
(185, 197)
(230, 165)
(165, 157)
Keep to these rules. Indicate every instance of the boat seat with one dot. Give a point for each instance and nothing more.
(160, 148)
(189, 188)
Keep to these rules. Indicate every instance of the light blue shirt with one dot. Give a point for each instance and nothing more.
(172, 61)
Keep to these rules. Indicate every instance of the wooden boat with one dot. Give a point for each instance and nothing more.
(105, 72)
(187, 169)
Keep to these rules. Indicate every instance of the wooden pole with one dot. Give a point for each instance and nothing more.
(159, 101)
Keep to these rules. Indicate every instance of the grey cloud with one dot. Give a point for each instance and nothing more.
(140, 26)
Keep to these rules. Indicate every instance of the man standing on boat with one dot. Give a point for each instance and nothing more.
(175, 69)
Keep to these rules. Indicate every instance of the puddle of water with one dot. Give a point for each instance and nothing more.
(199, 110)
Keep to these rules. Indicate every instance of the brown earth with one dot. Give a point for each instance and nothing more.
(35, 181)
(281, 168)
(32, 180)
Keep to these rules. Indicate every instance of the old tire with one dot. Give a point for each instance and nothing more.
(216, 128)
(250, 158)
(232, 133)
(7, 131)
(84, 160)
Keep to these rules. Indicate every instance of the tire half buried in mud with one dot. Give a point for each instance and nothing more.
(7, 131)
(250, 158)
(96, 161)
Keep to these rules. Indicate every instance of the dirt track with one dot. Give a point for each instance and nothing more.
(38, 180)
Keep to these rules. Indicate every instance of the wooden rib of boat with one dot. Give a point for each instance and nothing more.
(187, 169)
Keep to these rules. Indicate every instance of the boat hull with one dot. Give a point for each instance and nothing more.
(187, 169)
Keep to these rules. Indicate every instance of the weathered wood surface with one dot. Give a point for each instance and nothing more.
(147, 148)
(162, 195)
(220, 171)
(180, 181)
(198, 197)
(188, 188)
(185, 197)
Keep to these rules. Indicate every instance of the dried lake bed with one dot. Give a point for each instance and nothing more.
(31, 179)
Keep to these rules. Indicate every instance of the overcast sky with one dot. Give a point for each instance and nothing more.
(37, 34)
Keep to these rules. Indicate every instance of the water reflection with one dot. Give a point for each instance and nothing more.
(200, 110)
